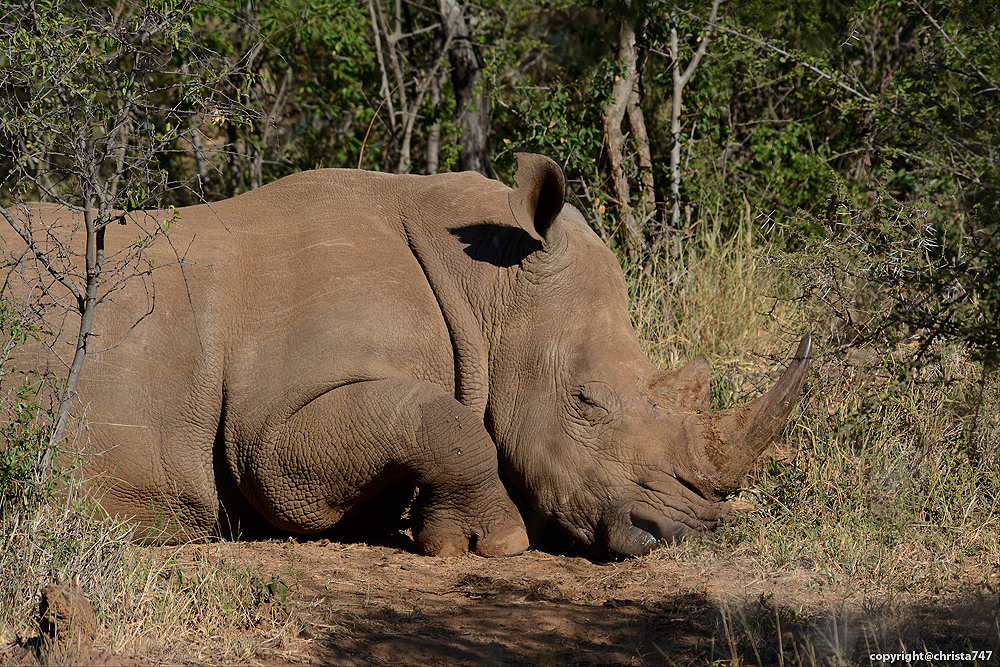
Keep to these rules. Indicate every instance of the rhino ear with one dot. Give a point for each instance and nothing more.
(539, 195)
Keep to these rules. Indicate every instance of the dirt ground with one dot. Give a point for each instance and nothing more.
(353, 604)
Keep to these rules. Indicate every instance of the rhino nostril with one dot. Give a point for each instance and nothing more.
(636, 531)
(655, 527)
(644, 524)
(642, 539)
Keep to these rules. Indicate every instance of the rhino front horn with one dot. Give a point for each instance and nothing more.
(731, 440)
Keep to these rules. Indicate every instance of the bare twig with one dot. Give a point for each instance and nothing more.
(767, 45)
(955, 46)
(40, 256)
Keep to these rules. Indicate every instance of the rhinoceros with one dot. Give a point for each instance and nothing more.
(302, 348)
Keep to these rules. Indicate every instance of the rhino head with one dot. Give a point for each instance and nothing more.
(617, 453)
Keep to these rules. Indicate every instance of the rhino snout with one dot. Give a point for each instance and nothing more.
(635, 529)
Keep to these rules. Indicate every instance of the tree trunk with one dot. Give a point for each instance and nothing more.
(680, 79)
(625, 88)
(267, 129)
(639, 135)
(675, 132)
(470, 98)
(198, 148)
(434, 131)
(234, 171)
(95, 262)
(86, 303)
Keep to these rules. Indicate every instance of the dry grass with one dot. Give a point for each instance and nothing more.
(178, 603)
(717, 303)
(884, 487)
(186, 600)
(888, 477)
(151, 601)
(56, 542)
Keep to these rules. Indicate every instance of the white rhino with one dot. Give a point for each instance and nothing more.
(336, 333)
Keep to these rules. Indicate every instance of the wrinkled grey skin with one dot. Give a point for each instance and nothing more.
(338, 332)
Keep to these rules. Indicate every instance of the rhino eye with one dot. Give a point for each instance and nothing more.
(596, 402)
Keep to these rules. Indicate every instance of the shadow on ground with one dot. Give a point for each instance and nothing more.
(493, 621)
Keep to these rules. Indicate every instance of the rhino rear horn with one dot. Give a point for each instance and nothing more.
(731, 440)
(539, 195)
(685, 389)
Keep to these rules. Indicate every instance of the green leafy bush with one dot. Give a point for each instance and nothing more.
(26, 455)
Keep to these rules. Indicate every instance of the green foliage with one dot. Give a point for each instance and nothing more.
(26, 455)
(326, 47)
(94, 103)
(548, 121)
(885, 272)
(865, 137)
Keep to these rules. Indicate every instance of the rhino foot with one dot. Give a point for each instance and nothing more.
(449, 536)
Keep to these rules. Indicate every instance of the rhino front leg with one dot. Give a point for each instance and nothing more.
(350, 443)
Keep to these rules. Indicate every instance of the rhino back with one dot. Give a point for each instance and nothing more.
(259, 304)
(326, 291)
